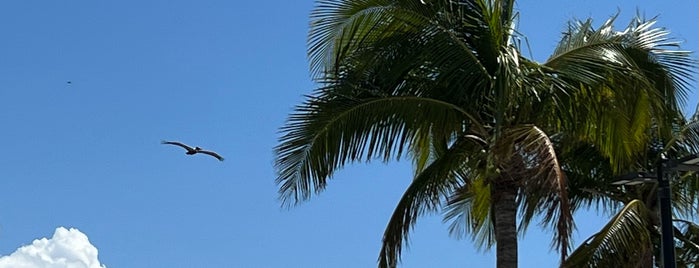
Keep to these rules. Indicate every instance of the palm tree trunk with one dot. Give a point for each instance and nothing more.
(505, 213)
(647, 259)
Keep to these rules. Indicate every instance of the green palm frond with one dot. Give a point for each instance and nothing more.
(425, 194)
(427, 147)
(584, 53)
(589, 173)
(324, 134)
(341, 27)
(669, 67)
(623, 242)
(633, 75)
(469, 212)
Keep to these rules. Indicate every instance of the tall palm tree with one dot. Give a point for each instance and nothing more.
(443, 82)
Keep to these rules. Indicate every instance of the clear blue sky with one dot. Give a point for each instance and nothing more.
(223, 75)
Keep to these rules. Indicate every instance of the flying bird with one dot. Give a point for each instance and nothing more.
(195, 150)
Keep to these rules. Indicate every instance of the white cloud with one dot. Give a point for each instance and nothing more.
(68, 248)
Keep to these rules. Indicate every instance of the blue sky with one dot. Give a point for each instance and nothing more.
(223, 75)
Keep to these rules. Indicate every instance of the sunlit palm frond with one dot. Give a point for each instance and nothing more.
(620, 132)
(638, 49)
(429, 146)
(623, 242)
(425, 194)
(632, 75)
(669, 67)
(586, 54)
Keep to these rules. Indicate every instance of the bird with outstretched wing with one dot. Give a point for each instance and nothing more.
(193, 150)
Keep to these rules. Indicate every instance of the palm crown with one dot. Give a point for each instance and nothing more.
(444, 83)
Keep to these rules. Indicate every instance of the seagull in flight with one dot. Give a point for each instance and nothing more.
(194, 150)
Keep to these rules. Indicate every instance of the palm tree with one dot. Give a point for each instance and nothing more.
(443, 82)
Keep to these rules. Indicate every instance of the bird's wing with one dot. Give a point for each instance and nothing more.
(178, 144)
(211, 154)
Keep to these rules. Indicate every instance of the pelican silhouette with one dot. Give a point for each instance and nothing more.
(195, 150)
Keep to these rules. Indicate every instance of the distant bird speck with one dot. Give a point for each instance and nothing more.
(69, 82)
(195, 150)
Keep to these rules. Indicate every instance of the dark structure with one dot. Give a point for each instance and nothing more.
(689, 163)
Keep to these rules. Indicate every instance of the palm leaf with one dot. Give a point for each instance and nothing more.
(469, 212)
(425, 194)
(590, 178)
(686, 138)
(609, 63)
(545, 188)
(324, 134)
(623, 242)
(454, 43)
(340, 27)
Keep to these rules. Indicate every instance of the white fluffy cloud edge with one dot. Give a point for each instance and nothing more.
(68, 248)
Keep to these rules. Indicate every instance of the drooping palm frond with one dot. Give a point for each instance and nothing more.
(589, 176)
(669, 67)
(469, 211)
(545, 189)
(623, 242)
(323, 135)
(425, 194)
